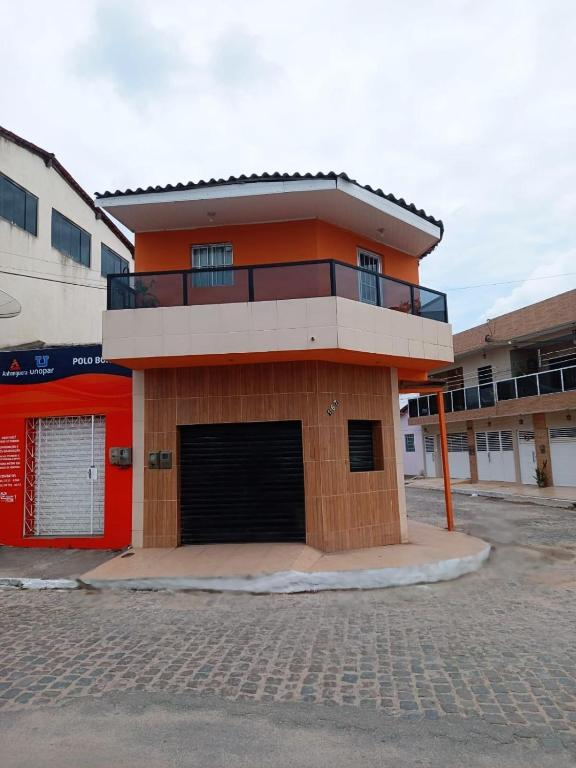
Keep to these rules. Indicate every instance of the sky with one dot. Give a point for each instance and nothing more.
(466, 108)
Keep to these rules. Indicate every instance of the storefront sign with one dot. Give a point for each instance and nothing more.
(10, 468)
(52, 363)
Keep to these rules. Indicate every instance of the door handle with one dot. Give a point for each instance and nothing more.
(93, 473)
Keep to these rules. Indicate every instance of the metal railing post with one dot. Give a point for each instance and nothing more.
(378, 296)
(412, 305)
(109, 292)
(562, 380)
(185, 289)
(250, 284)
(332, 279)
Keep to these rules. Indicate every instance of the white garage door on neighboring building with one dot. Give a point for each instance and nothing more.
(563, 455)
(495, 456)
(65, 476)
(458, 456)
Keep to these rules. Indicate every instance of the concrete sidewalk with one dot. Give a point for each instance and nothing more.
(555, 496)
(50, 562)
(432, 554)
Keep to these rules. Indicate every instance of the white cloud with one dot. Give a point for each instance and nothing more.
(538, 286)
(124, 47)
(467, 109)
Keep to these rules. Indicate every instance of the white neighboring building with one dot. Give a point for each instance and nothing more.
(56, 247)
(413, 446)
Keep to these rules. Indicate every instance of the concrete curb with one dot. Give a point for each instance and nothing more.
(289, 582)
(502, 496)
(23, 583)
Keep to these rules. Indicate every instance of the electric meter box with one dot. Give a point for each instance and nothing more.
(120, 457)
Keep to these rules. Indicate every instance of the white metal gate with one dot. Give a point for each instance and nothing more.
(527, 456)
(563, 455)
(458, 456)
(65, 476)
(495, 456)
(430, 455)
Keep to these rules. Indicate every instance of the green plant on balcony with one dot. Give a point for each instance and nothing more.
(143, 295)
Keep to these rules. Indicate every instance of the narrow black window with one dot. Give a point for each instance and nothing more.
(485, 374)
(365, 445)
(70, 239)
(410, 443)
(18, 206)
(111, 263)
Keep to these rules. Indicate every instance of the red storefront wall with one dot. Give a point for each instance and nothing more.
(102, 394)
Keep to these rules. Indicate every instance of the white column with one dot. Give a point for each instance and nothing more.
(399, 450)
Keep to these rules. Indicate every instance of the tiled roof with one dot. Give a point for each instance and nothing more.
(51, 162)
(277, 176)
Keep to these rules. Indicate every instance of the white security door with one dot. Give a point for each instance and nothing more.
(430, 456)
(458, 456)
(527, 455)
(495, 456)
(68, 476)
(563, 455)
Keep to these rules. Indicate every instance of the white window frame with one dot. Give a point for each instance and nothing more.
(213, 261)
(367, 286)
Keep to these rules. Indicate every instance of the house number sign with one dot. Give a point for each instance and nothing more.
(331, 410)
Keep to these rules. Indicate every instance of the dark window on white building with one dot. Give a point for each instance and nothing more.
(18, 206)
(70, 239)
(111, 263)
(410, 443)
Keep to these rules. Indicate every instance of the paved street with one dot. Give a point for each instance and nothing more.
(480, 671)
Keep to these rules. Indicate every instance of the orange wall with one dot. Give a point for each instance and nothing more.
(268, 243)
(342, 244)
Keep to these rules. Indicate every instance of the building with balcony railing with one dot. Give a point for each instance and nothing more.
(510, 398)
(270, 323)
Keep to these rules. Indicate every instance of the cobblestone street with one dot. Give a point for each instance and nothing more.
(496, 647)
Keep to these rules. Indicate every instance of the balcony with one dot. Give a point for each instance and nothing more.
(490, 395)
(321, 310)
(273, 282)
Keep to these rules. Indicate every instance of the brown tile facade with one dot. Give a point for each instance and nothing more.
(531, 319)
(344, 510)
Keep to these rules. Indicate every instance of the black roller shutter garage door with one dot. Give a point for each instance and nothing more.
(242, 482)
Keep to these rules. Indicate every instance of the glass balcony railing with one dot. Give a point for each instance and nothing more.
(488, 395)
(273, 282)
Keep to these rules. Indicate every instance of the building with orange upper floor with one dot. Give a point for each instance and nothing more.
(270, 323)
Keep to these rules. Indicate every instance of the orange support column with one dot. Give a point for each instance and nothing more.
(445, 464)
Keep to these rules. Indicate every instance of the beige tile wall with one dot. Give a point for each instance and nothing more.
(322, 323)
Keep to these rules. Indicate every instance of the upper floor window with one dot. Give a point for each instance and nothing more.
(18, 206)
(368, 286)
(485, 374)
(111, 263)
(211, 256)
(70, 239)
